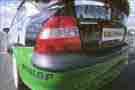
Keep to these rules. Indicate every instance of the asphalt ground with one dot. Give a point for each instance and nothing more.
(6, 72)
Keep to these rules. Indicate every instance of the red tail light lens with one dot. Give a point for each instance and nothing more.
(59, 34)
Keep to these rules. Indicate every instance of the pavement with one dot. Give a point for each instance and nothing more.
(126, 81)
(6, 72)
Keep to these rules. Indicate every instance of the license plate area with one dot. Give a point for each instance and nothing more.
(113, 34)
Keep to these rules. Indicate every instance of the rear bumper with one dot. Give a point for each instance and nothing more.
(62, 62)
(92, 77)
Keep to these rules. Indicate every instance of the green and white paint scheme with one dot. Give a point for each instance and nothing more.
(88, 78)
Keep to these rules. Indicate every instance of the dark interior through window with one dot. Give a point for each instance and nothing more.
(90, 35)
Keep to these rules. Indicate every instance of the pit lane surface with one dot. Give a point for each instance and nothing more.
(6, 72)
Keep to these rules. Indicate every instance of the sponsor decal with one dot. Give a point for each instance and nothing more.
(37, 74)
(113, 34)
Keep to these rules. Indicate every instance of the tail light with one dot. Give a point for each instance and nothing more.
(59, 34)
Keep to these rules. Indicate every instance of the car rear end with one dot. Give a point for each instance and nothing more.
(75, 50)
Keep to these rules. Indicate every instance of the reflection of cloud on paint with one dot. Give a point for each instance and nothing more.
(132, 7)
(30, 9)
(8, 8)
(7, 11)
(131, 19)
(131, 22)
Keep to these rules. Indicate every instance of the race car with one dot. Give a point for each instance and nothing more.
(72, 45)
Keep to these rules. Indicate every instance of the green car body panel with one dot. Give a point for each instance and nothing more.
(93, 77)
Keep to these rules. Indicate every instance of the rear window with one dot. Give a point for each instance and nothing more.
(87, 10)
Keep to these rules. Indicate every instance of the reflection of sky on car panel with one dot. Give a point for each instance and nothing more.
(7, 11)
(131, 20)
(132, 4)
